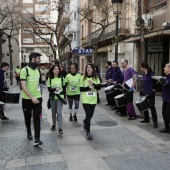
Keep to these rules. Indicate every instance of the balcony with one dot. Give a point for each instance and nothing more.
(86, 40)
(65, 17)
(110, 31)
(88, 7)
(65, 1)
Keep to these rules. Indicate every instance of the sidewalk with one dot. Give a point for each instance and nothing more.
(119, 144)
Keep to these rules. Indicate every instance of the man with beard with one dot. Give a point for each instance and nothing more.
(31, 96)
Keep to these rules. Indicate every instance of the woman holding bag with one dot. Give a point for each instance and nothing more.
(56, 87)
(89, 84)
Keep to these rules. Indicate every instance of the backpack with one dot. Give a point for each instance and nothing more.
(27, 74)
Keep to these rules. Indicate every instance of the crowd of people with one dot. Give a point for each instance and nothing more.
(62, 86)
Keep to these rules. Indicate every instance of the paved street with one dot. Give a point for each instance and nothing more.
(119, 144)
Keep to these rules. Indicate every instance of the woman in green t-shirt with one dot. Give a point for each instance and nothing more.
(89, 84)
(72, 81)
(56, 87)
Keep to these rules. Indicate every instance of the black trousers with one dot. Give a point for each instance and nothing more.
(89, 110)
(1, 106)
(17, 79)
(28, 106)
(151, 102)
(166, 113)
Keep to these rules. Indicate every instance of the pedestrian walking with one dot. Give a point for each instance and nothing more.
(148, 90)
(56, 87)
(129, 83)
(43, 71)
(31, 96)
(89, 84)
(166, 99)
(17, 74)
(3, 69)
(72, 81)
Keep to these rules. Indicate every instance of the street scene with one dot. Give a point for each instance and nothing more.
(84, 84)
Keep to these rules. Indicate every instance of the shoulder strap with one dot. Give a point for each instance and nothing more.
(27, 74)
(62, 81)
(40, 81)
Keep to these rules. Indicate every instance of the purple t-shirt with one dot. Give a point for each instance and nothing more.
(166, 90)
(128, 74)
(148, 84)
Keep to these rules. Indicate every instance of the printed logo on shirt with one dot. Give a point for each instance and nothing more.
(90, 93)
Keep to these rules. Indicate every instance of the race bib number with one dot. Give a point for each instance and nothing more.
(73, 88)
(90, 93)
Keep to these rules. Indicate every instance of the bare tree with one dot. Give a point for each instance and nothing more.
(11, 26)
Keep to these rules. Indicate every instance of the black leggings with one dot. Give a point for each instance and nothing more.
(28, 106)
(166, 113)
(76, 99)
(89, 110)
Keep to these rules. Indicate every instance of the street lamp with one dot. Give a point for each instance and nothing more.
(55, 49)
(117, 6)
(22, 55)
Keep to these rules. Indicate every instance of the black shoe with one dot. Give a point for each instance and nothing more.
(165, 130)
(113, 108)
(84, 126)
(37, 142)
(4, 118)
(132, 118)
(71, 118)
(144, 121)
(29, 136)
(53, 128)
(60, 131)
(122, 114)
(89, 136)
(75, 118)
(155, 125)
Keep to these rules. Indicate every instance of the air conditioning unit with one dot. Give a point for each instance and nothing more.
(165, 24)
(146, 18)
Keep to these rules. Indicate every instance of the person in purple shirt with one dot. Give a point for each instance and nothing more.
(108, 78)
(3, 69)
(129, 73)
(148, 90)
(166, 99)
(117, 77)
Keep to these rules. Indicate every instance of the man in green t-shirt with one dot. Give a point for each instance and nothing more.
(31, 96)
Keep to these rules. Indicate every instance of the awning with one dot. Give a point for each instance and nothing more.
(153, 34)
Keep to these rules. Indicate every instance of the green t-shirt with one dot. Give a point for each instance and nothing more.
(17, 70)
(32, 82)
(56, 83)
(73, 82)
(89, 97)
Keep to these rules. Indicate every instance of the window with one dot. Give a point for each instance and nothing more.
(28, 10)
(42, 8)
(42, 40)
(27, 1)
(27, 40)
(29, 50)
(75, 15)
(27, 30)
(66, 6)
(155, 4)
(74, 36)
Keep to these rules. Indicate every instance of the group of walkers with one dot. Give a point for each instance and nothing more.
(70, 86)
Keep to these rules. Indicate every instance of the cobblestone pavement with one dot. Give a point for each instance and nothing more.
(118, 144)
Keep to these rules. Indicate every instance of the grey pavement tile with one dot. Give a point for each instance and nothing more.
(149, 128)
(15, 163)
(22, 148)
(153, 160)
(115, 137)
(35, 160)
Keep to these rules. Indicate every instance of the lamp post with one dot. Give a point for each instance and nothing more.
(117, 6)
(55, 49)
(22, 57)
(70, 38)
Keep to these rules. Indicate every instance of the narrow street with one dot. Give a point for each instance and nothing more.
(118, 144)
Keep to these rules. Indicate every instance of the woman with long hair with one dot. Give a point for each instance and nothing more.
(72, 81)
(56, 87)
(148, 90)
(89, 84)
